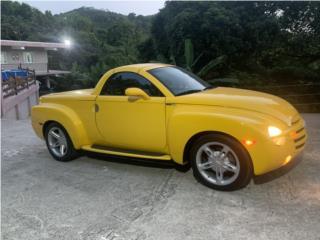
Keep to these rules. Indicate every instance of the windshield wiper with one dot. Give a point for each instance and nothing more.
(189, 91)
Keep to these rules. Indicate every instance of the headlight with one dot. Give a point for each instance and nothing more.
(274, 131)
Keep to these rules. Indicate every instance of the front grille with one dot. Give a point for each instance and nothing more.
(295, 120)
(300, 130)
(299, 138)
(300, 146)
(299, 133)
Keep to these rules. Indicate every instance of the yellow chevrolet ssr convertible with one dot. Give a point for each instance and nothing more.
(163, 112)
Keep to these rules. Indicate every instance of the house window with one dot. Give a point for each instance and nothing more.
(3, 57)
(27, 57)
(15, 57)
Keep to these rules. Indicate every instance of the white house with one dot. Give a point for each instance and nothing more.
(27, 55)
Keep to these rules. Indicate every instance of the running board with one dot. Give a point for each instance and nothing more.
(125, 153)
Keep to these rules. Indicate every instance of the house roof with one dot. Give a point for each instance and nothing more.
(51, 72)
(22, 44)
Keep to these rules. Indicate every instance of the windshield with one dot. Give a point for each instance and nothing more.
(179, 81)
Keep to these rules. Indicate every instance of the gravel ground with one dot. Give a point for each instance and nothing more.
(101, 199)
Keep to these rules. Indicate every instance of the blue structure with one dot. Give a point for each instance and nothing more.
(6, 74)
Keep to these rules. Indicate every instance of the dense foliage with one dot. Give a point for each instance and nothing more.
(255, 42)
(101, 39)
(276, 40)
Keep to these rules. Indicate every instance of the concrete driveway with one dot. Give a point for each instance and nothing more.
(101, 199)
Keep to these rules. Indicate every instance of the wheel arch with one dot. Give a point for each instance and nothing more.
(190, 142)
(47, 113)
(46, 124)
(187, 123)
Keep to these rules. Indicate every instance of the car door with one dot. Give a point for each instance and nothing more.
(131, 123)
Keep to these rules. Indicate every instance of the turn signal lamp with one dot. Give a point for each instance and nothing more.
(248, 142)
(293, 134)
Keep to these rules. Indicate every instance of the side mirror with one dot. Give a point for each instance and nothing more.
(137, 93)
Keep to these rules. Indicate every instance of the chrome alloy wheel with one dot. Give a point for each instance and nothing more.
(217, 163)
(57, 142)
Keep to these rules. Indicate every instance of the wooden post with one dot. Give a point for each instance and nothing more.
(15, 86)
(16, 107)
(2, 113)
(48, 82)
(29, 106)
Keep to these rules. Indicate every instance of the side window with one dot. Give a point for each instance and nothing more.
(27, 57)
(3, 57)
(117, 84)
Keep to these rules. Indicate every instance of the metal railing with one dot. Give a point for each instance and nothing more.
(14, 85)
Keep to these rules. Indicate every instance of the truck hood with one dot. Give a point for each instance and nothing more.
(242, 99)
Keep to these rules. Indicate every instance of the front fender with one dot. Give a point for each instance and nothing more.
(186, 121)
(62, 114)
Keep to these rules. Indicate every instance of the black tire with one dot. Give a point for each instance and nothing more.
(71, 152)
(246, 170)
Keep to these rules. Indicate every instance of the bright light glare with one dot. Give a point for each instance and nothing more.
(279, 140)
(67, 42)
(274, 131)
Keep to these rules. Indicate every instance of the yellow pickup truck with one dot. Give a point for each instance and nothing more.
(163, 112)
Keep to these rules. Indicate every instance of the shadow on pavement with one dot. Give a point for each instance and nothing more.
(139, 162)
(261, 179)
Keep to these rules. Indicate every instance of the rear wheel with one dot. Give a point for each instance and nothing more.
(220, 162)
(59, 143)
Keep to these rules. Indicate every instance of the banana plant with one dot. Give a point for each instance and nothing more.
(191, 62)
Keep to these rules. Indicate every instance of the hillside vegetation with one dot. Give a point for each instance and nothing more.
(256, 43)
(101, 39)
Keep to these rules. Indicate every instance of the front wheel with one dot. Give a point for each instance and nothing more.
(59, 143)
(220, 162)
